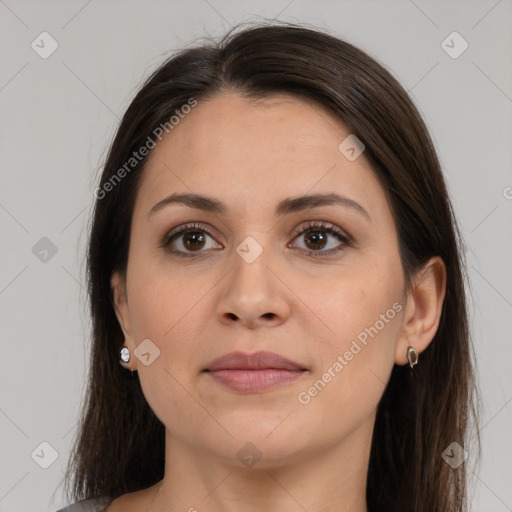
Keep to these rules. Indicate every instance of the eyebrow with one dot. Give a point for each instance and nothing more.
(286, 206)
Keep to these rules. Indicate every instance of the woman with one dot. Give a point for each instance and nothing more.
(277, 292)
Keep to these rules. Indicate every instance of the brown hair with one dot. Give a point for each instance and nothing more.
(120, 442)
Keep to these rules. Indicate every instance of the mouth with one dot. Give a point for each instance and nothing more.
(252, 373)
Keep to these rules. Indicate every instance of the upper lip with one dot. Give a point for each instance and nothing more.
(256, 361)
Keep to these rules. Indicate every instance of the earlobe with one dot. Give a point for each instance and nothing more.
(423, 310)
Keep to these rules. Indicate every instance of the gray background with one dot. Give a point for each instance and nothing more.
(58, 116)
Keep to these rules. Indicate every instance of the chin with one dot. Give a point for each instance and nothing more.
(259, 446)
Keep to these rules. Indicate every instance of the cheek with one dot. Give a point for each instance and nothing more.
(169, 319)
(168, 307)
(363, 314)
(354, 365)
(161, 297)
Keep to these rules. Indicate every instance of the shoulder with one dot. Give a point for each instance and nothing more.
(133, 501)
(89, 505)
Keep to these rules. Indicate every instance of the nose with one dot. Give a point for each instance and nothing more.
(253, 294)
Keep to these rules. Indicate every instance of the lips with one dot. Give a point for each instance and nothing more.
(252, 373)
(262, 360)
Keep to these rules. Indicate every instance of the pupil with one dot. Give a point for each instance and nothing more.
(318, 240)
(194, 237)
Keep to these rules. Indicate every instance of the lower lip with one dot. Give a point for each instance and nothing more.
(253, 381)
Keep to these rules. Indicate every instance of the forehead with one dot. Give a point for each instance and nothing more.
(231, 121)
(230, 124)
(281, 144)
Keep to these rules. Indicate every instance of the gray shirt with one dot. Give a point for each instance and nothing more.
(89, 505)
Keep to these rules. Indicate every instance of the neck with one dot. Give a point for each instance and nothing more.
(333, 480)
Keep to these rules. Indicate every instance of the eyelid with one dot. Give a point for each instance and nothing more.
(320, 224)
(183, 228)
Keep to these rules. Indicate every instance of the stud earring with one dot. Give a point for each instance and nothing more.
(412, 356)
(124, 357)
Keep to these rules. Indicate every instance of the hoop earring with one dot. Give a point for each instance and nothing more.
(412, 356)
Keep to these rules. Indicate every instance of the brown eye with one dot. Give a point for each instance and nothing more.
(188, 240)
(193, 240)
(317, 236)
(315, 239)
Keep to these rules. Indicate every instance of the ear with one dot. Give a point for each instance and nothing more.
(423, 309)
(120, 299)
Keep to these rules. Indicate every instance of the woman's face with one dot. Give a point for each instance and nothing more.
(257, 277)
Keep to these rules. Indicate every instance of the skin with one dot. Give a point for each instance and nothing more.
(250, 155)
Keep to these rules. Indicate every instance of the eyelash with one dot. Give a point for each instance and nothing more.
(311, 226)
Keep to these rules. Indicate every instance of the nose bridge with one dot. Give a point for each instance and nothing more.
(251, 261)
(252, 289)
